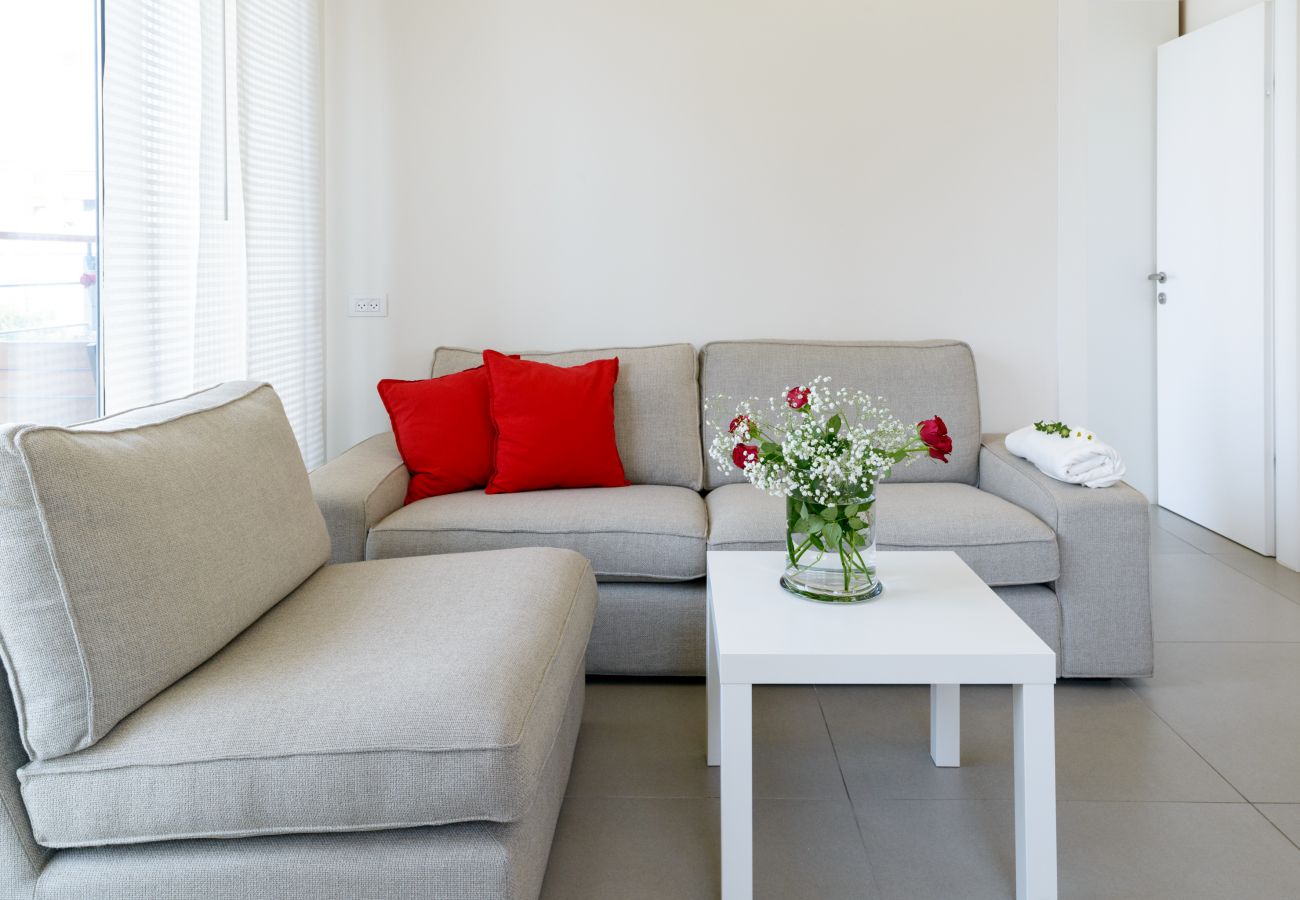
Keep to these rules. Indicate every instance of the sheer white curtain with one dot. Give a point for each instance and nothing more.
(211, 239)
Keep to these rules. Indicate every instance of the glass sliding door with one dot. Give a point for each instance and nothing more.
(49, 188)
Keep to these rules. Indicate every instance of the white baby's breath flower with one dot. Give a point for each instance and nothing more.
(816, 442)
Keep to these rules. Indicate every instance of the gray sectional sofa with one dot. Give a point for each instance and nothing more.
(1072, 562)
(199, 706)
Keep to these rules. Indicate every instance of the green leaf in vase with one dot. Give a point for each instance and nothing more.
(833, 532)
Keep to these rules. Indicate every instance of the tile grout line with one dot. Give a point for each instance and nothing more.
(853, 809)
(1278, 828)
(1194, 528)
(1220, 558)
(1186, 742)
(1223, 558)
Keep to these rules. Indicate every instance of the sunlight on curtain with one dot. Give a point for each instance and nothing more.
(280, 139)
(211, 246)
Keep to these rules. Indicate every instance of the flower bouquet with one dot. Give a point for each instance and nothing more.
(825, 451)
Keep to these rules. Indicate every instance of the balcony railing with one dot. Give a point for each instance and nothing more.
(49, 345)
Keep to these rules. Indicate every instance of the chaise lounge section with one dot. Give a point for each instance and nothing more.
(199, 705)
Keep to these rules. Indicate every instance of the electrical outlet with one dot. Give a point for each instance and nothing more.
(368, 306)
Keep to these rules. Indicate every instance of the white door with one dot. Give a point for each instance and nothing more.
(1214, 385)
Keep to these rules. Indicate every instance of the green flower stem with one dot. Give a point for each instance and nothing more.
(799, 552)
(839, 526)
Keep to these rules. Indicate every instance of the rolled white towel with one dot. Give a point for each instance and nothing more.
(1077, 459)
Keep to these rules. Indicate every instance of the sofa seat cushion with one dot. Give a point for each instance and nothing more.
(637, 533)
(1003, 543)
(378, 695)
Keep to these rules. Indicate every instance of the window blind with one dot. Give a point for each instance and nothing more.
(211, 238)
(280, 139)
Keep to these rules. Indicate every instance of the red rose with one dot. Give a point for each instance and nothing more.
(797, 397)
(742, 424)
(934, 434)
(744, 454)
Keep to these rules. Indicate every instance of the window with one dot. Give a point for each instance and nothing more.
(210, 172)
(212, 245)
(49, 291)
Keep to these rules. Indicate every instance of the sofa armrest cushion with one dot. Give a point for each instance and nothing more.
(1104, 588)
(357, 490)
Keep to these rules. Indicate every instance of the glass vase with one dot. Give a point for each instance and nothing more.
(831, 549)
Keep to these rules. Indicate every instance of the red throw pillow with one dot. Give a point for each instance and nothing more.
(554, 425)
(444, 431)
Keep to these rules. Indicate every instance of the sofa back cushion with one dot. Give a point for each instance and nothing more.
(917, 379)
(656, 406)
(134, 548)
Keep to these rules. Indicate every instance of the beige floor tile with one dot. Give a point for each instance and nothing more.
(940, 849)
(1166, 542)
(1110, 746)
(1286, 816)
(632, 848)
(809, 850)
(1173, 851)
(647, 739)
(635, 848)
(1265, 570)
(793, 754)
(1199, 598)
(1238, 706)
(1186, 530)
(643, 739)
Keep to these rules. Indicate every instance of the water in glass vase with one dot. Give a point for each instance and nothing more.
(831, 549)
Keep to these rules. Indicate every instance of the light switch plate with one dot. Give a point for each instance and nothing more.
(369, 305)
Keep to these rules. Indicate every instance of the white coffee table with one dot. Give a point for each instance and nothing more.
(936, 624)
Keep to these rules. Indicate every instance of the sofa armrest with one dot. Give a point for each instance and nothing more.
(356, 491)
(1104, 588)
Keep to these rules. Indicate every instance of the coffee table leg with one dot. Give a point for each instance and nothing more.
(714, 752)
(1035, 760)
(945, 724)
(737, 792)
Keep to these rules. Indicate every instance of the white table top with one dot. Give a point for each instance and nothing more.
(935, 623)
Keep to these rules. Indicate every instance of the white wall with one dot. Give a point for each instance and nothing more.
(592, 172)
(1199, 13)
(1106, 239)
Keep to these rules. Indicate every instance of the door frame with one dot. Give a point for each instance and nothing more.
(1286, 305)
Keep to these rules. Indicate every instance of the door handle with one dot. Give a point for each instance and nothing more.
(1158, 277)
